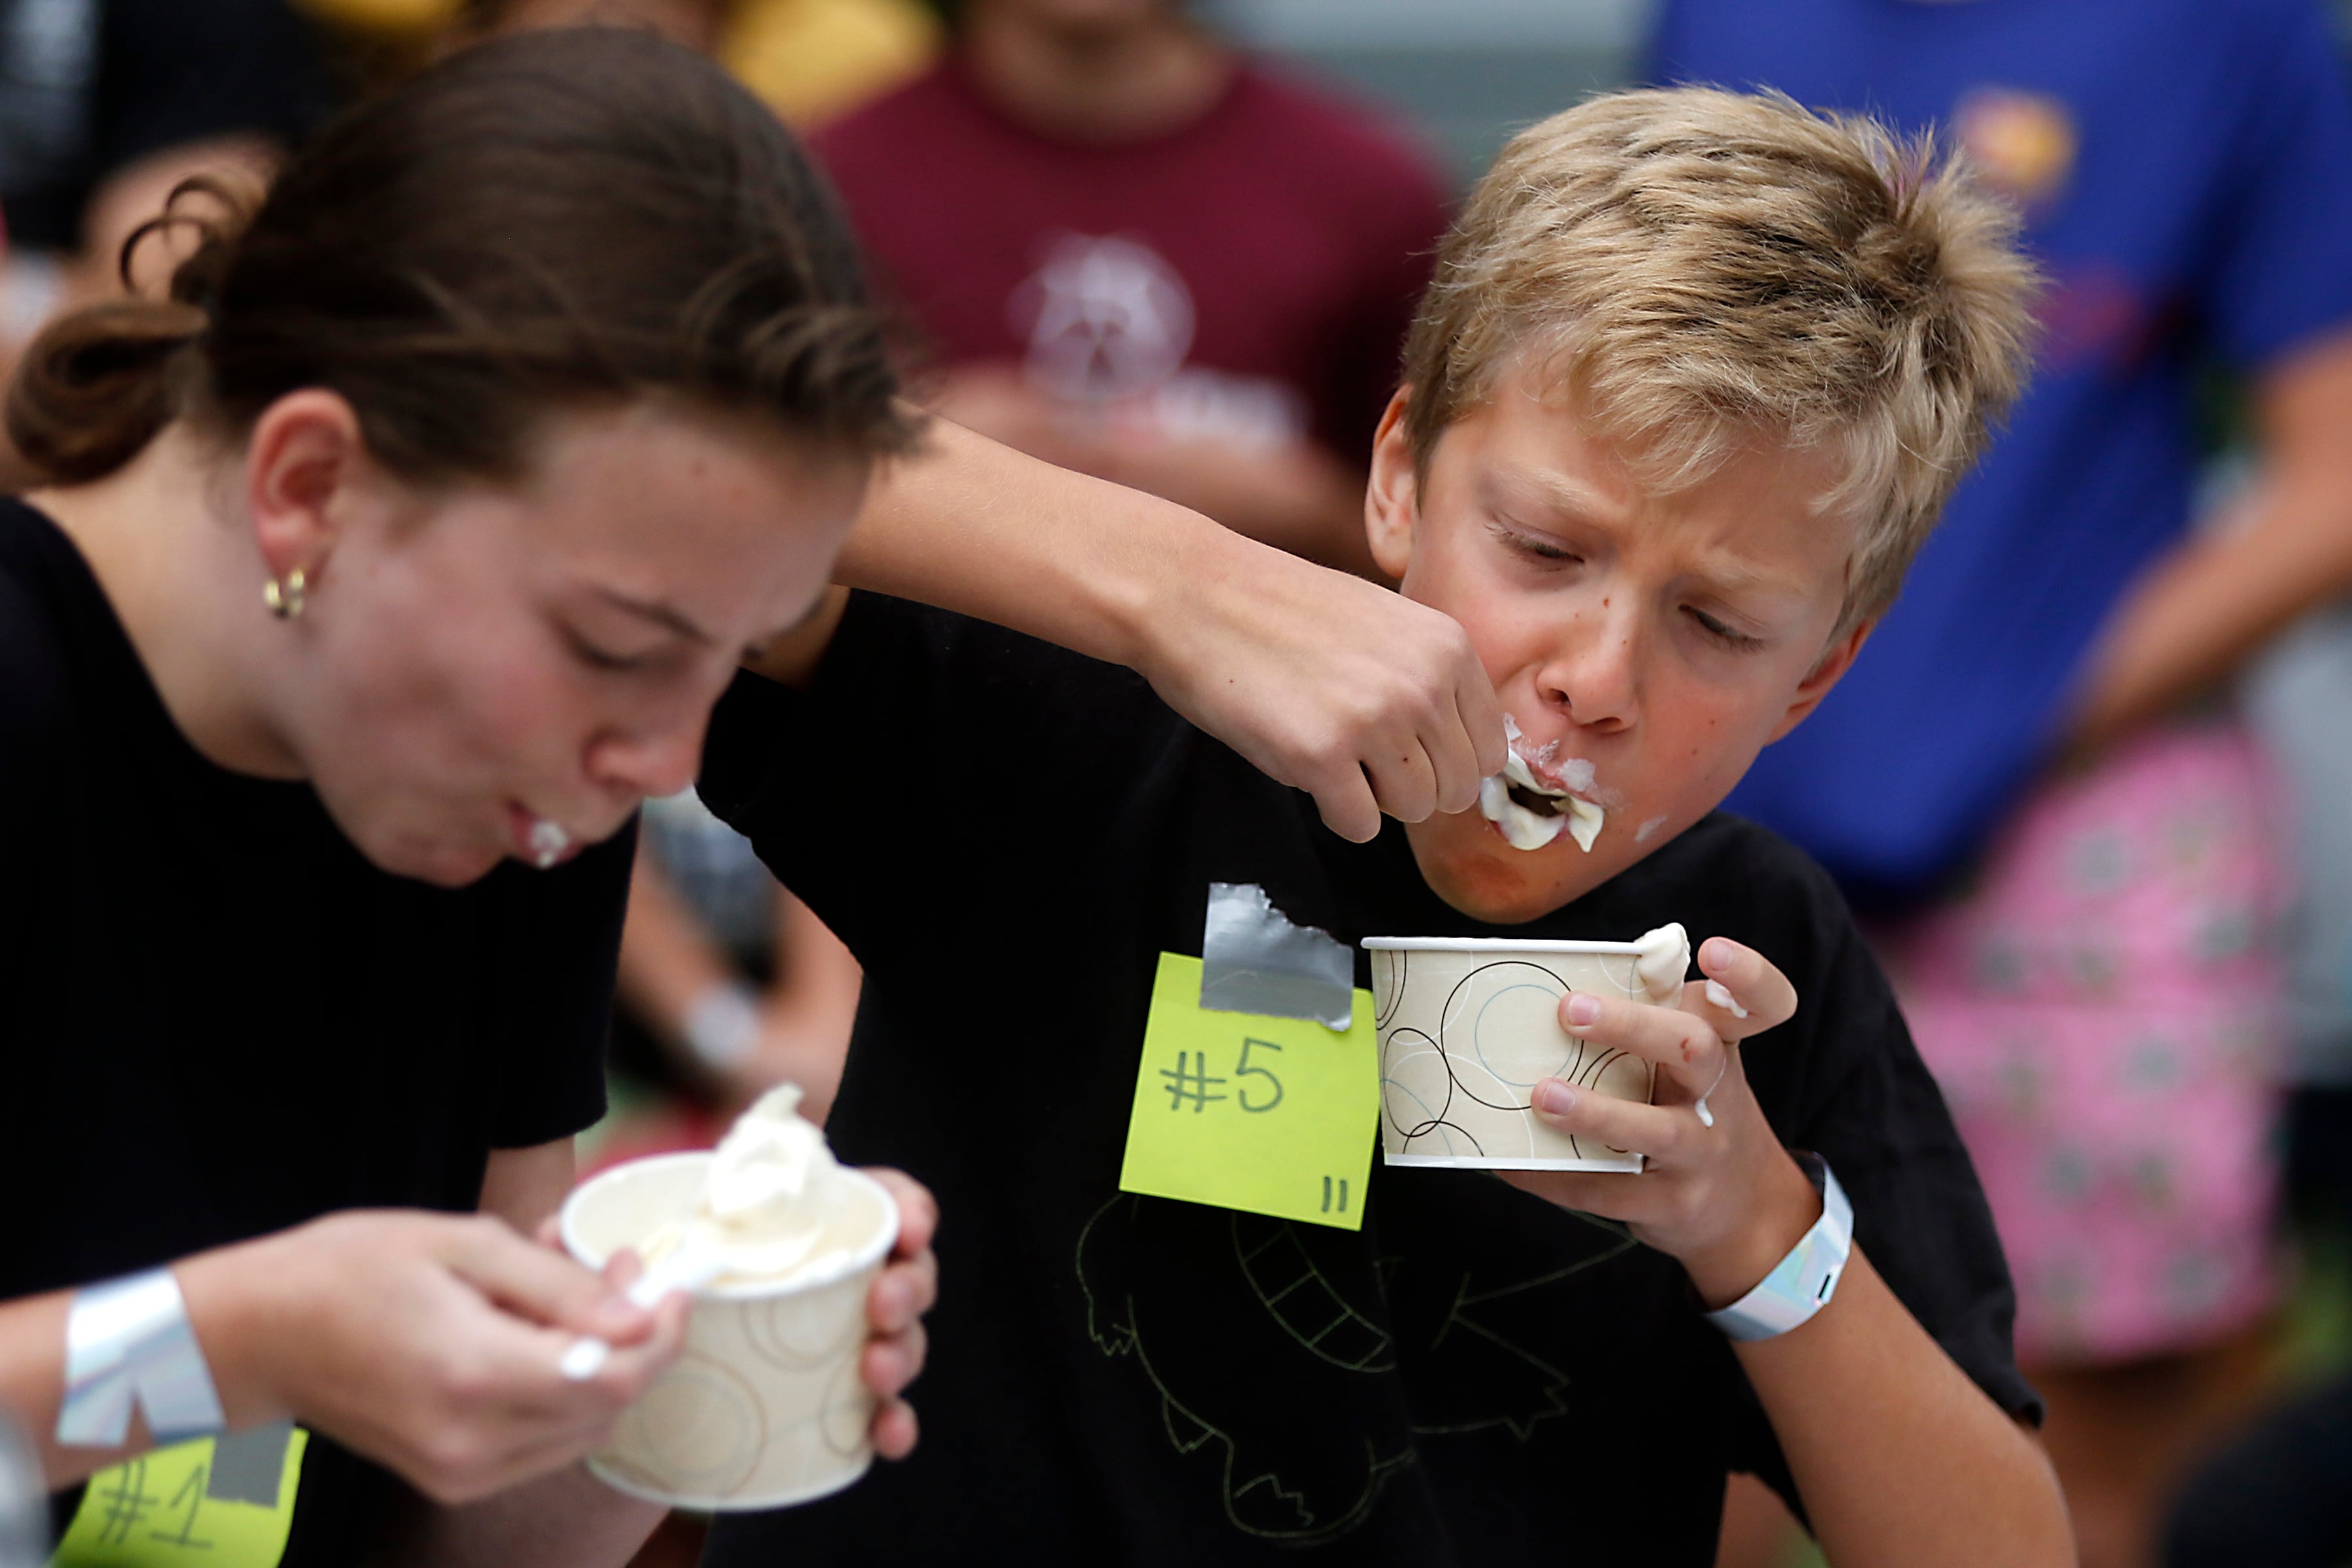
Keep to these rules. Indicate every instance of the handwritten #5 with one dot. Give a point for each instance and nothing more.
(1272, 1116)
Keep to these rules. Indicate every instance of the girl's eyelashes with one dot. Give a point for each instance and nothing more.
(598, 657)
(1721, 633)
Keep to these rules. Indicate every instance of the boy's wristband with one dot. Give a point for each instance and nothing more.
(1801, 1283)
(128, 1340)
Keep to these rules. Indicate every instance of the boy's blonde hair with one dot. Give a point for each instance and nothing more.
(1696, 269)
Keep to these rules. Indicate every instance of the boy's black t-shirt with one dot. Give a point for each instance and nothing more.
(218, 1020)
(1007, 836)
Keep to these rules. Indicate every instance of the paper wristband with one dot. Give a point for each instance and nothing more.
(130, 1339)
(1801, 1283)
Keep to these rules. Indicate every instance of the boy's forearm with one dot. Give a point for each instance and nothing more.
(1369, 702)
(1902, 1461)
(978, 528)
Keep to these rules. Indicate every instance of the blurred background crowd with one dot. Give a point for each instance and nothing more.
(2088, 785)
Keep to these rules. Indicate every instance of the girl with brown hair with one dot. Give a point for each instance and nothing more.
(415, 534)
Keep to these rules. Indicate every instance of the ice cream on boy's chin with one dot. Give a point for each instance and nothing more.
(771, 1201)
(1531, 812)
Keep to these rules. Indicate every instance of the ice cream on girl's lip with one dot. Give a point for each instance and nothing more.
(1530, 812)
(539, 840)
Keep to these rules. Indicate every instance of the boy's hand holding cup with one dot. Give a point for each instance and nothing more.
(1725, 1199)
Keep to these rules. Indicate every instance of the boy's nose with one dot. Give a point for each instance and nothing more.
(1594, 681)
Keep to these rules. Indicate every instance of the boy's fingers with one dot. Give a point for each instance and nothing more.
(1345, 800)
(1455, 757)
(1620, 1126)
(1686, 1046)
(1706, 999)
(1746, 978)
(1482, 716)
(1404, 780)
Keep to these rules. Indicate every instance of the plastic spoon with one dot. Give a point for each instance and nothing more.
(696, 1263)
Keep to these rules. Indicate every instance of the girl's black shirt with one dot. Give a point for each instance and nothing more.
(1475, 1377)
(218, 1020)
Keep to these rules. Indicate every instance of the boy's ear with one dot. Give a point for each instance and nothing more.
(1834, 663)
(1392, 496)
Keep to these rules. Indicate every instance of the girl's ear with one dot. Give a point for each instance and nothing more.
(305, 455)
(1392, 498)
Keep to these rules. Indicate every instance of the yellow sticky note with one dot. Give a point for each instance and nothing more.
(1273, 1116)
(181, 1506)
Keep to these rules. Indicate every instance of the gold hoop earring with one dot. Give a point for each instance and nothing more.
(284, 597)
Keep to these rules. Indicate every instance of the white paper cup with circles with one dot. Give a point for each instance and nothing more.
(1467, 1027)
(764, 1408)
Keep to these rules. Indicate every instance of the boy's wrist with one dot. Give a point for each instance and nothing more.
(1164, 600)
(1787, 1206)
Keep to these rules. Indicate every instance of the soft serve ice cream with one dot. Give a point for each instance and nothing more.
(1532, 813)
(771, 1204)
(1662, 957)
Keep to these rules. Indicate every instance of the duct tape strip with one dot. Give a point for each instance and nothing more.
(24, 1521)
(130, 1339)
(1253, 960)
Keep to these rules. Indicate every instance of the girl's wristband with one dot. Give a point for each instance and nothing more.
(1801, 1283)
(129, 1339)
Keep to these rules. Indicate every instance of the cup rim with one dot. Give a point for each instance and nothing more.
(856, 1261)
(1497, 944)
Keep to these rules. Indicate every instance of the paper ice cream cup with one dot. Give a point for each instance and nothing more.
(764, 1408)
(1467, 1027)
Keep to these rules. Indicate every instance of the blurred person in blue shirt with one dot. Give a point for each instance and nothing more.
(2075, 878)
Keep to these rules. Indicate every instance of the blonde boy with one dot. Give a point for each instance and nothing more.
(1696, 375)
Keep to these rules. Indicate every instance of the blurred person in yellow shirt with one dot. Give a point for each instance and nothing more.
(807, 59)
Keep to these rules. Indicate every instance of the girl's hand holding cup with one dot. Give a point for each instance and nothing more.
(431, 1344)
(1725, 1198)
(906, 1290)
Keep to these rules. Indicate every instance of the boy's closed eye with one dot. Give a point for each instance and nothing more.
(1537, 545)
(1717, 630)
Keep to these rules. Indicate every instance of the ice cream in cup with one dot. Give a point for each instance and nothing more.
(1468, 1025)
(764, 1406)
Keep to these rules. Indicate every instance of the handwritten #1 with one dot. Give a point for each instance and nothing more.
(1272, 1116)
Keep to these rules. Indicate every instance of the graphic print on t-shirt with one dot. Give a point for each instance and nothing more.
(1108, 322)
(1275, 1367)
(2022, 145)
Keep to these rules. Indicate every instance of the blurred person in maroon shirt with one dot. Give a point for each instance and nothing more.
(1137, 253)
